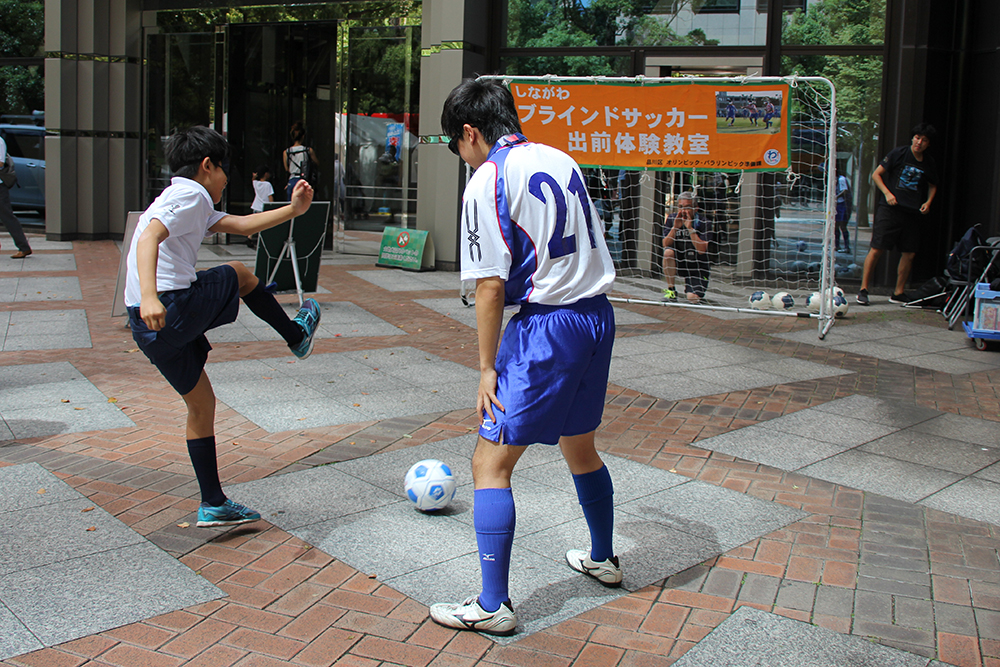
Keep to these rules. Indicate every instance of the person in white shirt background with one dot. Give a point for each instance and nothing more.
(263, 191)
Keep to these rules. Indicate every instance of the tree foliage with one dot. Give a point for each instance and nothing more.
(856, 78)
(836, 22)
(22, 89)
(379, 57)
(575, 23)
(388, 12)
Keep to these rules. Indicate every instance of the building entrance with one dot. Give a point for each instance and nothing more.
(353, 88)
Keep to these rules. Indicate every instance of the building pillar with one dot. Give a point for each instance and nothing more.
(453, 40)
(93, 107)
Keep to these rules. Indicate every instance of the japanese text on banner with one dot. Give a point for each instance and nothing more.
(689, 126)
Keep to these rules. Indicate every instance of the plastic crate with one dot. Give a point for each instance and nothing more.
(987, 312)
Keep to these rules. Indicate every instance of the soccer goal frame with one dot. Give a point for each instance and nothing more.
(768, 252)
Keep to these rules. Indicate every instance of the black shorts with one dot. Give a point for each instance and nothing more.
(179, 350)
(897, 228)
(695, 271)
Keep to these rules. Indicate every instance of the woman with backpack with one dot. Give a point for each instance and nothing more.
(298, 159)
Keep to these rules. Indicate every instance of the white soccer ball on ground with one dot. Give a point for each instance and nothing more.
(430, 485)
(782, 301)
(839, 305)
(813, 302)
(760, 300)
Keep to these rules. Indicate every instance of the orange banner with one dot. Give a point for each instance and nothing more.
(707, 127)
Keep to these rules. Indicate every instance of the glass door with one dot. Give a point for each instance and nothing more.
(281, 75)
(180, 92)
(381, 74)
(353, 86)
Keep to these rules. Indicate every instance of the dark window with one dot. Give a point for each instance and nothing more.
(720, 7)
(789, 5)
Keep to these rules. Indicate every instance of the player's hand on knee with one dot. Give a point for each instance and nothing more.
(302, 196)
(153, 314)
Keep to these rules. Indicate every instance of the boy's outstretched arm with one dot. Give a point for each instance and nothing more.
(147, 252)
(246, 225)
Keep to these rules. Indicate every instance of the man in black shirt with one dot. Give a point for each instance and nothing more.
(907, 181)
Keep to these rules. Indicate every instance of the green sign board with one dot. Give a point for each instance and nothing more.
(410, 249)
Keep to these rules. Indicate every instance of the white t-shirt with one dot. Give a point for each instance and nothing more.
(261, 191)
(185, 208)
(3, 152)
(843, 186)
(527, 218)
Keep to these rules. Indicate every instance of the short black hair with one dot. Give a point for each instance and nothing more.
(261, 170)
(925, 130)
(485, 105)
(187, 148)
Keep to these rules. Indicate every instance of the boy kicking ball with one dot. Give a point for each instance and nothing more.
(171, 306)
(531, 238)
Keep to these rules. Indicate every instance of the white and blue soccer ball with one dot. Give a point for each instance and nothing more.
(834, 292)
(782, 301)
(430, 485)
(839, 305)
(760, 300)
(813, 302)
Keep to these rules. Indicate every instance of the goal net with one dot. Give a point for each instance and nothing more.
(756, 154)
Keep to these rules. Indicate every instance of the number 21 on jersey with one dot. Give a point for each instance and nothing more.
(560, 245)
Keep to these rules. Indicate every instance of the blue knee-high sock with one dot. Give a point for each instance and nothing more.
(494, 518)
(206, 469)
(596, 493)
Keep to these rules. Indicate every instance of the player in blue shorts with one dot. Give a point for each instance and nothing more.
(752, 112)
(171, 306)
(768, 113)
(530, 238)
(731, 113)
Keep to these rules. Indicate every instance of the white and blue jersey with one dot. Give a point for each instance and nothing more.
(548, 255)
(527, 219)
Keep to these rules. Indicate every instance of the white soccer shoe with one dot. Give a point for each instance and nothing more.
(608, 573)
(470, 616)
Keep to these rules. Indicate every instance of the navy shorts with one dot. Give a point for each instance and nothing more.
(842, 212)
(897, 228)
(179, 350)
(552, 369)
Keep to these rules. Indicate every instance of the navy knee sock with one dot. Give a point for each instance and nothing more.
(595, 492)
(206, 469)
(266, 307)
(494, 519)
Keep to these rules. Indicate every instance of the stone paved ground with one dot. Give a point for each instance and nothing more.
(902, 575)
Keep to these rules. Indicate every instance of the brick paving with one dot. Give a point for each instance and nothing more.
(905, 576)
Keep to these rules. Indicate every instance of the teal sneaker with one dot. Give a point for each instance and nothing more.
(307, 318)
(228, 513)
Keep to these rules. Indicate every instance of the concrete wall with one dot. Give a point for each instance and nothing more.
(453, 40)
(93, 113)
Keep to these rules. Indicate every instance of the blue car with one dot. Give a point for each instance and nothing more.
(26, 145)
